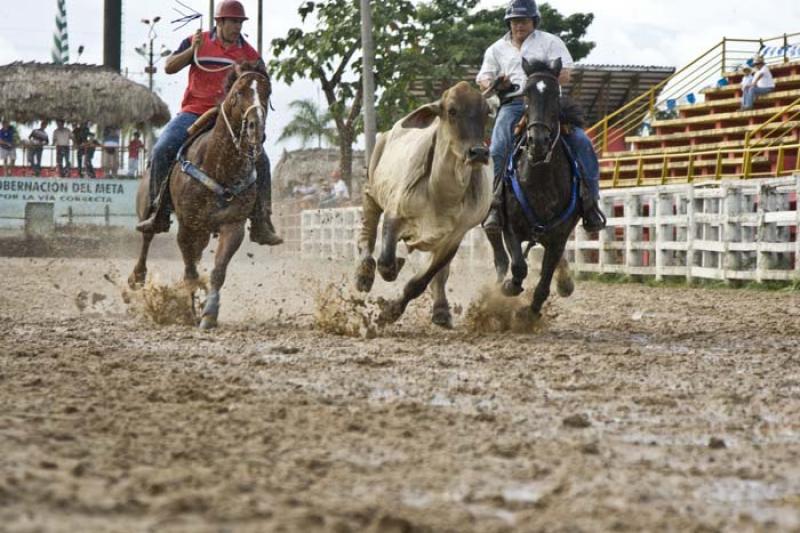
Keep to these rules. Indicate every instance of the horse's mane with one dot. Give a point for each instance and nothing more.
(247, 66)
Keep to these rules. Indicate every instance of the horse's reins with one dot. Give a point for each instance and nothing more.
(531, 125)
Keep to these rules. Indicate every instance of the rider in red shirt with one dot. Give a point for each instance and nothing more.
(215, 50)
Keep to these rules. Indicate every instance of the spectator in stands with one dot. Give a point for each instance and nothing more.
(762, 83)
(110, 159)
(339, 187)
(134, 147)
(747, 76)
(306, 190)
(80, 136)
(38, 140)
(8, 146)
(61, 138)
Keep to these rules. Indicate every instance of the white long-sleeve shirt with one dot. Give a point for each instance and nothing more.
(505, 59)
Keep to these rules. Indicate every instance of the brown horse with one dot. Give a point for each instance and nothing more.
(227, 155)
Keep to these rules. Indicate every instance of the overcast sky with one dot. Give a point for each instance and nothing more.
(641, 32)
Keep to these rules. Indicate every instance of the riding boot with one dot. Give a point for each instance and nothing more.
(494, 220)
(261, 229)
(159, 219)
(593, 218)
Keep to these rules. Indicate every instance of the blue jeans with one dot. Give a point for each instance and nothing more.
(751, 93)
(166, 148)
(503, 142)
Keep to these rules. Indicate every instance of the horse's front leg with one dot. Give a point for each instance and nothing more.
(499, 253)
(519, 267)
(230, 238)
(394, 309)
(191, 243)
(552, 256)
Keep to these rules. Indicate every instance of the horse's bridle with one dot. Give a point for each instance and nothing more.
(238, 141)
(549, 127)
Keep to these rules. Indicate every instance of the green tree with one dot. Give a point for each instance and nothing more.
(330, 54)
(309, 123)
(450, 41)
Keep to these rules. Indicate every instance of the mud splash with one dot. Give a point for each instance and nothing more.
(164, 304)
(492, 312)
(340, 312)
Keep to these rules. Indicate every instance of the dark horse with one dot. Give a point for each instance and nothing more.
(542, 206)
(220, 194)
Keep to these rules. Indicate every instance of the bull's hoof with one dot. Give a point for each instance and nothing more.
(365, 275)
(442, 317)
(565, 287)
(391, 311)
(511, 289)
(390, 272)
(208, 322)
(136, 279)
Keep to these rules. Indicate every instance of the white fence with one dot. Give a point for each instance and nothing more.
(731, 230)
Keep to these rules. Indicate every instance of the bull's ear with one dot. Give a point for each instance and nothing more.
(527, 67)
(556, 65)
(424, 116)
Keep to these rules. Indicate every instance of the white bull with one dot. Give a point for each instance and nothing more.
(430, 177)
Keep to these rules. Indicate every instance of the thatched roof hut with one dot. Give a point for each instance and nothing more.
(31, 92)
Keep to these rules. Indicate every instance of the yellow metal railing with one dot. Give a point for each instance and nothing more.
(722, 59)
(756, 142)
(739, 158)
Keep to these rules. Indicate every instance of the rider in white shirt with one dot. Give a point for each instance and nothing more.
(503, 62)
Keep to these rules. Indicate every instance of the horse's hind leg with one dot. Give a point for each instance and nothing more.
(230, 238)
(441, 308)
(139, 274)
(365, 273)
(564, 282)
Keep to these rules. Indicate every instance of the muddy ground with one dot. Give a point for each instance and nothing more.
(631, 409)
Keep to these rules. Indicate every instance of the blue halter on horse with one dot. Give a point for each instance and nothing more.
(538, 226)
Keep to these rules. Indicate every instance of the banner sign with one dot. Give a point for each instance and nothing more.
(791, 51)
(86, 201)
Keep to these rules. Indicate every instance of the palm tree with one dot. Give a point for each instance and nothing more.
(309, 122)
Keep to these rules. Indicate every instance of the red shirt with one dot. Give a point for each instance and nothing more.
(133, 148)
(207, 89)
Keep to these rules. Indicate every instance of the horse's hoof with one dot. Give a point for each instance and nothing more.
(208, 322)
(511, 289)
(391, 311)
(525, 319)
(565, 288)
(365, 275)
(390, 272)
(442, 317)
(136, 280)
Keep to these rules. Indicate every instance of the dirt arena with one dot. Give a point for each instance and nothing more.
(631, 409)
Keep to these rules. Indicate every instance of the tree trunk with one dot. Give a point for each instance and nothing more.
(346, 156)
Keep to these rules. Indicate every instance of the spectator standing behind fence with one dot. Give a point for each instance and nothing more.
(38, 140)
(762, 83)
(110, 159)
(134, 147)
(80, 135)
(338, 194)
(8, 142)
(61, 138)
